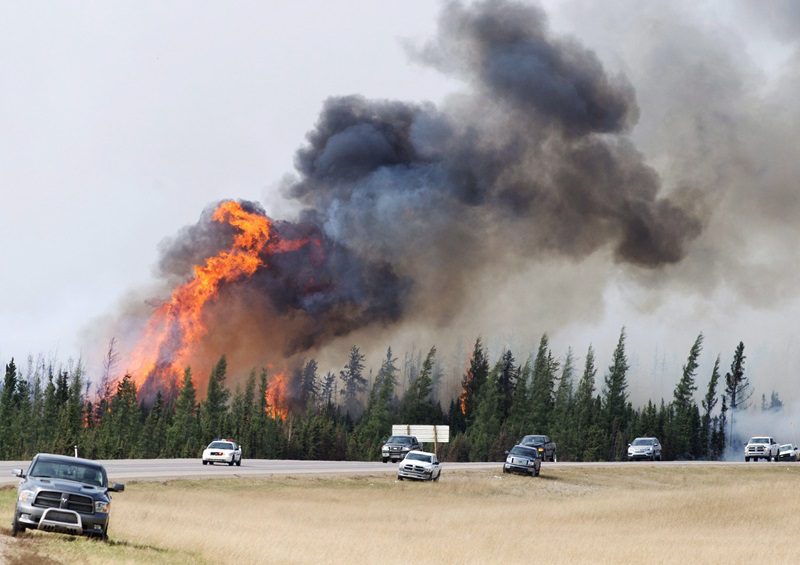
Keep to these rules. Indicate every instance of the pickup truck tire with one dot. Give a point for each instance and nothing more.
(239, 462)
(385, 459)
(536, 472)
(16, 528)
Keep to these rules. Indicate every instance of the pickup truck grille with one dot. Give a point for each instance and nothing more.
(414, 468)
(755, 449)
(76, 502)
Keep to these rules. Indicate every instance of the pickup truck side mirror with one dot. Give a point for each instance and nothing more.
(117, 487)
(18, 473)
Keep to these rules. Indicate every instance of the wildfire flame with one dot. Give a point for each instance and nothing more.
(177, 326)
(276, 397)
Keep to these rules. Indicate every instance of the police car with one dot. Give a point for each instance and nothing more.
(223, 451)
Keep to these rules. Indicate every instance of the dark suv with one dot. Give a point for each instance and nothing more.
(396, 447)
(63, 494)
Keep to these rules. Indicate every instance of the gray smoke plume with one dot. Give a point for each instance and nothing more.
(408, 203)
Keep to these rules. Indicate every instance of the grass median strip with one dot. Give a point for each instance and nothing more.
(636, 513)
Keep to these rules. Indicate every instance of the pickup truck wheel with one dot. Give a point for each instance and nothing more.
(385, 459)
(536, 472)
(205, 462)
(239, 462)
(399, 478)
(16, 528)
(231, 462)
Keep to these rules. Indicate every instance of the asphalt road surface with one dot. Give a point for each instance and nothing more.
(121, 470)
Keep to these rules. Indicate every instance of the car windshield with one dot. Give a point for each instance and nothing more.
(419, 457)
(220, 445)
(68, 470)
(399, 439)
(786, 447)
(642, 441)
(533, 439)
(760, 440)
(523, 451)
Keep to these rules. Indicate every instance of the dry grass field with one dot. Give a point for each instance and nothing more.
(636, 513)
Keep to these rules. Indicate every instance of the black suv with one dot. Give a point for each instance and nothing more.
(396, 447)
(63, 494)
(543, 444)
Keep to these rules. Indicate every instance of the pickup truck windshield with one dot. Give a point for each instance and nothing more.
(68, 471)
(419, 457)
(523, 451)
(399, 439)
(760, 440)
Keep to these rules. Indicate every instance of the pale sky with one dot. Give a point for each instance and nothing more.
(122, 121)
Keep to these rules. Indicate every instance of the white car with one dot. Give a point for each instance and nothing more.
(788, 452)
(419, 465)
(223, 451)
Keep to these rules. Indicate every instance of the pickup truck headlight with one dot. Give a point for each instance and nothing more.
(102, 507)
(26, 496)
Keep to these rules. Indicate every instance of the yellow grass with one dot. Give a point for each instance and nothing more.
(637, 513)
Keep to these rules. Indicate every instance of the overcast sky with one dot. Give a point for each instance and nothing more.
(122, 121)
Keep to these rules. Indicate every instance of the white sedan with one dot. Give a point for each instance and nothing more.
(223, 451)
(419, 465)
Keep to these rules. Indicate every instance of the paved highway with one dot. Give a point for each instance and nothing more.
(121, 470)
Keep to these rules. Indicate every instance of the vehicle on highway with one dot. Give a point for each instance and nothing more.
(223, 451)
(543, 444)
(396, 447)
(644, 448)
(761, 447)
(523, 459)
(63, 494)
(420, 465)
(788, 452)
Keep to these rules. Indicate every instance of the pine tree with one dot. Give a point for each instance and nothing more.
(183, 435)
(216, 403)
(616, 397)
(542, 388)
(584, 405)
(417, 406)
(308, 387)
(563, 412)
(709, 402)
(737, 388)
(473, 381)
(506, 382)
(684, 403)
(353, 381)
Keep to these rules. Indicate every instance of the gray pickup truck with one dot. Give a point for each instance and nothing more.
(63, 494)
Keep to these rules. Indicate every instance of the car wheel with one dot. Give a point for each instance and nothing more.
(16, 527)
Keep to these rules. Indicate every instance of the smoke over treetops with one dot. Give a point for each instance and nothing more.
(404, 203)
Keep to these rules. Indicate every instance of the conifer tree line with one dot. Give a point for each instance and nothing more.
(585, 408)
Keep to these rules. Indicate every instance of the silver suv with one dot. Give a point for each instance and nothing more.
(63, 494)
(644, 448)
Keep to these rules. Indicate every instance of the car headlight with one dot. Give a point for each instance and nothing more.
(102, 507)
(26, 496)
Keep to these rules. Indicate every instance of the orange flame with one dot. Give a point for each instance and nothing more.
(276, 397)
(177, 325)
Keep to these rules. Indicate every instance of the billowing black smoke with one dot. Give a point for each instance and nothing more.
(406, 201)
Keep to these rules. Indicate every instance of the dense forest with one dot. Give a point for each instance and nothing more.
(347, 415)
